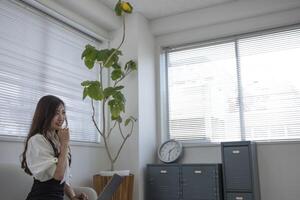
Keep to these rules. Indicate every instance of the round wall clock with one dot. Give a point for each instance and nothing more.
(169, 151)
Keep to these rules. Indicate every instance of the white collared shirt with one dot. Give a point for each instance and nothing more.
(41, 160)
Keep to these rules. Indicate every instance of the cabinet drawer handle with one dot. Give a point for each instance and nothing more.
(197, 172)
(236, 151)
(239, 198)
(163, 171)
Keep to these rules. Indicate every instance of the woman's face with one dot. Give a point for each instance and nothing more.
(58, 118)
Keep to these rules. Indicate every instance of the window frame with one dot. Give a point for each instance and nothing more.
(164, 94)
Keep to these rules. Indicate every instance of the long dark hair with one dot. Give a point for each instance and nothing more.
(41, 123)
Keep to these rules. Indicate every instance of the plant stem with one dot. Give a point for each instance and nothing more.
(124, 140)
(102, 134)
(123, 38)
(101, 75)
(121, 132)
(94, 121)
(103, 118)
(110, 130)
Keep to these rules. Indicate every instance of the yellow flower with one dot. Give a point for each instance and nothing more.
(126, 7)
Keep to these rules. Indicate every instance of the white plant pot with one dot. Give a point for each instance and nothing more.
(119, 172)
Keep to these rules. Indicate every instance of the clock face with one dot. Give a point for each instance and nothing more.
(170, 151)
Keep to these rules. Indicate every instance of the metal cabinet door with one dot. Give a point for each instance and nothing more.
(163, 183)
(237, 168)
(239, 196)
(199, 182)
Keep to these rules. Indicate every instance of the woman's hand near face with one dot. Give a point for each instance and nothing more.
(64, 136)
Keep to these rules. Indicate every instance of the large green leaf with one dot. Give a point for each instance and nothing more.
(89, 55)
(93, 89)
(116, 74)
(103, 54)
(120, 87)
(119, 97)
(85, 93)
(109, 91)
(116, 66)
(130, 66)
(130, 119)
(117, 104)
(112, 58)
(115, 108)
(118, 9)
(85, 83)
(117, 52)
(89, 63)
(87, 50)
(127, 121)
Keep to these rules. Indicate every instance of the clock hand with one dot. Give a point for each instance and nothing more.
(171, 149)
(169, 152)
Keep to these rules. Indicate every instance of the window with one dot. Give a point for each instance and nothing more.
(40, 56)
(244, 88)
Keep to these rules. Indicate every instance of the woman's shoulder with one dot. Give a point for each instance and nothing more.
(38, 138)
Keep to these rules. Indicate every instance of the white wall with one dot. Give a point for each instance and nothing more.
(147, 106)
(86, 161)
(279, 174)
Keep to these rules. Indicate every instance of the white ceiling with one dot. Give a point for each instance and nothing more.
(167, 16)
(100, 12)
(153, 9)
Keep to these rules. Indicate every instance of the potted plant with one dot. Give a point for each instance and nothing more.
(111, 97)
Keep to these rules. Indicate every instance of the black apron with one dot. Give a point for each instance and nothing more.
(47, 190)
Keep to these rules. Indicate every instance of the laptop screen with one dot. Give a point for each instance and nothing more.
(110, 187)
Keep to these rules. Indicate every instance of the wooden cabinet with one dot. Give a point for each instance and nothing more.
(184, 182)
(240, 171)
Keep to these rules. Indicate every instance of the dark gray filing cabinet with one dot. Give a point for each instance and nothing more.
(184, 182)
(240, 171)
(163, 182)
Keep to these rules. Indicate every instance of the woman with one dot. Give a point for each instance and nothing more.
(47, 154)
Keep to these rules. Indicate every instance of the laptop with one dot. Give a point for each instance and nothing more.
(111, 187)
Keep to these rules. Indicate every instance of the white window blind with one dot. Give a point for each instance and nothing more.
(270, 69)
(202, 89)
(246, 89)
(41, 56)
